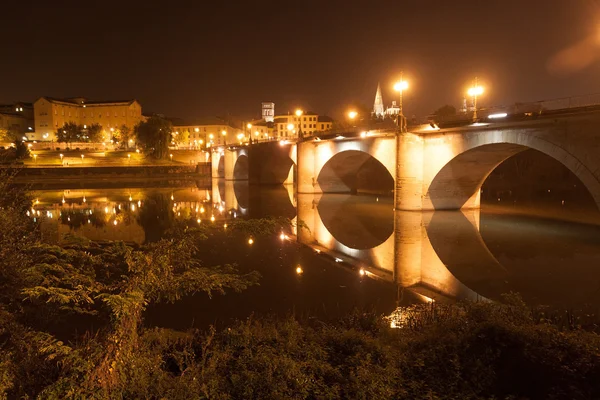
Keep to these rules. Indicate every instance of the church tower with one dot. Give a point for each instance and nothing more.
(378, 106)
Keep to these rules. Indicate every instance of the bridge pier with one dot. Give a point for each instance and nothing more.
(408, 190)
(307, 161)
(235, 163)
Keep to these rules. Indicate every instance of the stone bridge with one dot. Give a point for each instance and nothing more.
(427, 168)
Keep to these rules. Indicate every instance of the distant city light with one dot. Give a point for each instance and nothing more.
(299, 270)
(250, 241)
(352, 114)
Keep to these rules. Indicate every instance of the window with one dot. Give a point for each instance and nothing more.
(322, 126)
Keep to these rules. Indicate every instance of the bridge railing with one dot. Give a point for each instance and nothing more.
(524, 110)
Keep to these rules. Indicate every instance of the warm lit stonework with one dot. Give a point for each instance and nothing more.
(51, 114)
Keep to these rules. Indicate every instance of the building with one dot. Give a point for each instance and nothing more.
(13, 121)
(268, 111)
(205, 132)
(378, 107)
(309, 123)
(17, 116)
(262, 130)
(50, 114)
(378, 111)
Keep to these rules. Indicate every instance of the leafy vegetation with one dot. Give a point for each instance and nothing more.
(154, 136)
(71, 328)
(71, 132)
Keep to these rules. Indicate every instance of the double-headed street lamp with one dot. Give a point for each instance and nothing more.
(475, 91)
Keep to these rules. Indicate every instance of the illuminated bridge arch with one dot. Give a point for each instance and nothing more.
(463, 167)
(342, 166)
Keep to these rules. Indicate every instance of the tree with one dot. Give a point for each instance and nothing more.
(69, 133)
(11, 134)
(154, 135)
(124, 135)
(181, 137)
(445, 111)
(94, 133)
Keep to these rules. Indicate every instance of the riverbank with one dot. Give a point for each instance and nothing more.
(109, 173)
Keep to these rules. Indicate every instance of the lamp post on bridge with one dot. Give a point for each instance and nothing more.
(299, 115)
(400, 87)
(474, 91)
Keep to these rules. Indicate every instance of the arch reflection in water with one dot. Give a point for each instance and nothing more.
(420, 251)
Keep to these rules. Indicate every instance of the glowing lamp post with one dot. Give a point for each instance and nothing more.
(249, 131)
(61, 159)
(299, 115)
(171, 157)
(475, 91)
(35, 158)
(129, 157)
(82, 159)
(400, 87)
(352, 114)
(224, 133)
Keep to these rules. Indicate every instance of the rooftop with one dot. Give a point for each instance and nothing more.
(82, 101)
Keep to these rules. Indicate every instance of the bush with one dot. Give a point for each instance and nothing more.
(58, 149)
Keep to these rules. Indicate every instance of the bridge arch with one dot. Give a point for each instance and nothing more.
(240, 169)
(272, 163)
(333, 166)
(460, 173)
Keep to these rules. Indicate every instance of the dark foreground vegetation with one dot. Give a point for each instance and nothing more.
(71, 327)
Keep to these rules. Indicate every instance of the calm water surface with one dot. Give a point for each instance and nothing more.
(354, 253)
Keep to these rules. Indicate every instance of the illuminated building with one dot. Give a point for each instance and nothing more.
(268, 111)
(50, 114)
(17, 116)
(379, 111)
(378, 105)
(198, 133)
(288, 126)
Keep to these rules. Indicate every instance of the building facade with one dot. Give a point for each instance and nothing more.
(268, 111)
(205, 132)
(50, 114)
(309, 123)
(379, 111)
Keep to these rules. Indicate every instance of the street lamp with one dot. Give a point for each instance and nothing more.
(129, 157)
(248, 132)
(171, 156)
(61, 159)
(352, 114)
(400, 87)
(82, 159)
(224, 133)
(299, 113)
(35, 158)
(474, 91)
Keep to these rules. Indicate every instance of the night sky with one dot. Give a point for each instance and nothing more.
(226, 57)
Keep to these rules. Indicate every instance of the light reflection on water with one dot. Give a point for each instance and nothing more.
(355, 252)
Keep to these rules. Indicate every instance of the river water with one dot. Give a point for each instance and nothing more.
(354, 251)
